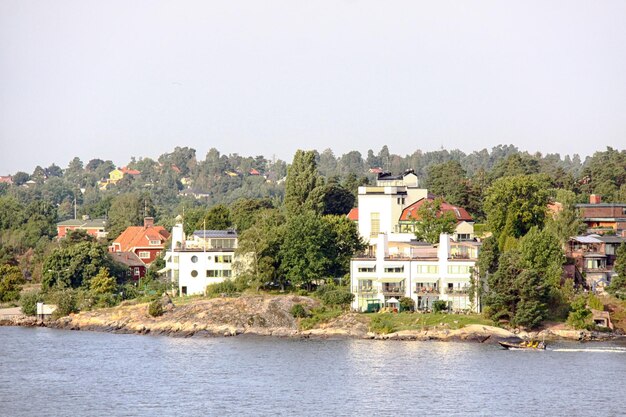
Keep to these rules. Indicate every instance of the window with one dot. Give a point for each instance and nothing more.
(136, 270)
(367, 269)
(462, 236)
(218, 273)
(223, 243)
(225, 259)
(194, 273)
(394, 269)
(155, 242)
(374, 224)
(175, 259)
(194, 259)
(458, 269)
(427, 269)
(144, 255)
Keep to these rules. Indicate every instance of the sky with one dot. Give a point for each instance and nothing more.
(116, 79)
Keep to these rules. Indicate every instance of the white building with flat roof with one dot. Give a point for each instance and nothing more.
(207, 258)
(422, 272)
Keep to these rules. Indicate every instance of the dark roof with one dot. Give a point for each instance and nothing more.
(612, 239)
(587, 205)
(83, 223)
(127, 258)
(230, 233)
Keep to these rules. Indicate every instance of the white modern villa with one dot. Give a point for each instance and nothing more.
(206, 258)
(395, 264)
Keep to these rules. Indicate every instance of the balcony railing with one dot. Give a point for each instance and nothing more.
(457, 291)
(393, 290)
(426, 290)
(367, 290)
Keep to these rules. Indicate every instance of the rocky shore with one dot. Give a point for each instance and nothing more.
(270, 316)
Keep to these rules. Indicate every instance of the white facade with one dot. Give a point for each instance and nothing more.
(205, 259)
(380, 207)
(423, 273)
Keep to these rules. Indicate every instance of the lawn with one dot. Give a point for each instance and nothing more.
(394, 322)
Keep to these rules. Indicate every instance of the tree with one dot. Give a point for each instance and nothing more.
(566, 222)
(515, 204)
(331, 198)
(75, 265)
(305, 251)
(244, 211)
(618, 284)
(259, 245)
(302, 178)
(20, 178)
(345, 241)
(128, 210)
(448, 180)
(431, 221)
(11, 280)
(102, 283)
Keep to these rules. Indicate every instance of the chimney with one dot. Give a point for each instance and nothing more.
(148, 222)
(595, 199)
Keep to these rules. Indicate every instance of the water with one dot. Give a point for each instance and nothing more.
(46, 372)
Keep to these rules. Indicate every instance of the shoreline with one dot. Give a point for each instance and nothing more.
(270, 316)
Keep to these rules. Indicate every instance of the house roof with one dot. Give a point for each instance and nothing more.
(129, 171)
(354, 214)
(84, 224)
(230, 233)
(410, 212)
(587, 239)
(140, 237)
(254, 172)
(127, 258)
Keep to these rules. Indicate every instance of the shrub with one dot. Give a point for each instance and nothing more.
(155, 308)
(406, 304)
(382, 323)
(595, 303)
(227, 287)
(66, 302)
(11, 280)
(298, 311)
(336, 297)
(302, 292)
(580, 317)
(29, 301)
(439, 306)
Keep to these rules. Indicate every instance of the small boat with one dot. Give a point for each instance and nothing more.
(526, 345)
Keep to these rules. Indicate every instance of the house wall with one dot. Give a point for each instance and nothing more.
(450, 276)
(197, 263)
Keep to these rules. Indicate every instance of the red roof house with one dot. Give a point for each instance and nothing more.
(145, 241)
(410, 212)
(354, 214)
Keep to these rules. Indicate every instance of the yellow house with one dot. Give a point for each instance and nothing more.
(115, 175)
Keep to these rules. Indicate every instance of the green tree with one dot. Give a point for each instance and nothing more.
(515, 204)
(431, 221)
(566, 222)
(344, 242)
(618, 283)
(305, 251)
(302, 178)
(11, 280)
(102, 283)
(259, 247)
(128, 210)
(448, 180)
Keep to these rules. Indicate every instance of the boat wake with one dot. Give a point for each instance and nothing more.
(594, 350)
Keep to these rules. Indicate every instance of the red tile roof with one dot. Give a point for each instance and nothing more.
(354, 214)
(254, 172)
(129, 171)
(139, 237)
(410, 212)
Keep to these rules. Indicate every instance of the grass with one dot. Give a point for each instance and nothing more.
(394, 322)
(320, 315)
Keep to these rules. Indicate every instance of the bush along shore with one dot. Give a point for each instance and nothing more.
(288, 316)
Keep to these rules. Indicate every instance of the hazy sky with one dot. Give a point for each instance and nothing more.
(115, 79)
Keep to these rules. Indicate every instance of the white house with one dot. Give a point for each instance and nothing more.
(206, 258)
(423, 272)
(391, 207)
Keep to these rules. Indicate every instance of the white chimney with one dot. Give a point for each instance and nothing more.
(443, 252)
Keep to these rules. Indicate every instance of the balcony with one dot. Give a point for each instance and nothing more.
(457, 291)
(426, 290)
(393, 290)
(366, 291)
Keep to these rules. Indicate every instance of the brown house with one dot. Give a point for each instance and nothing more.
(136, 269)
(602, 217)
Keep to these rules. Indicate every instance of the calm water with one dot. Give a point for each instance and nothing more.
(45, 372)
